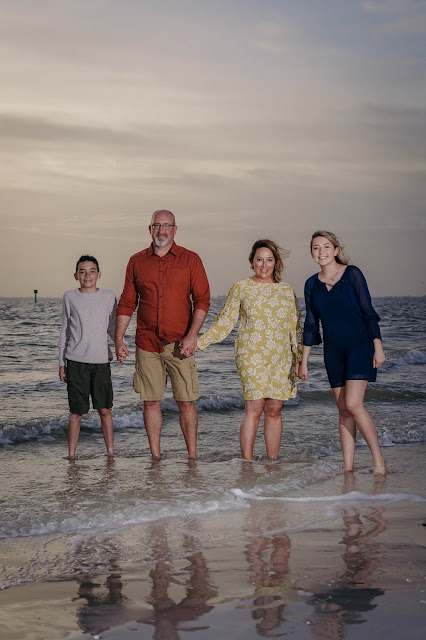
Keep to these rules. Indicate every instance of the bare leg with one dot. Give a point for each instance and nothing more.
(347, 429)
(249, 425)
(107, 429)
(153, 419)
(354, 398)
(74, 421)
(188, 420)
(273, 427)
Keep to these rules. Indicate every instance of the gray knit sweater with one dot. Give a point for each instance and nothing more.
(87, 320)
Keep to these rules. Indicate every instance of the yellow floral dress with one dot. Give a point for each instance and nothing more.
(269, 340)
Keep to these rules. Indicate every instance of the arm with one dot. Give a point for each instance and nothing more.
(311, 333)
(379, 355)
(370, 317)
(121, 348)
(296, 336)
(112, 320)
(63, 338)
(225, 321)
(303, 366)
(188, 344)
(200, 293)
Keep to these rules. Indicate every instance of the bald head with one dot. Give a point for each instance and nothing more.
(164, 211)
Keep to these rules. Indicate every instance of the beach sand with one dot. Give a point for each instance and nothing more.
(343, 558)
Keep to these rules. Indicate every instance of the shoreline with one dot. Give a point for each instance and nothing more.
(340, 558)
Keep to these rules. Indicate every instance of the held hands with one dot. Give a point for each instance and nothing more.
(121, 350)
(188, 345)
(302, 371)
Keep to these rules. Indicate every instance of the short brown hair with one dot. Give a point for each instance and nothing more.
(278, 253)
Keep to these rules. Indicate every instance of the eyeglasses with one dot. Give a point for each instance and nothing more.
(166, 226)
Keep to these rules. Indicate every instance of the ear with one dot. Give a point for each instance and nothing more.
(76, 276)
(99, 275)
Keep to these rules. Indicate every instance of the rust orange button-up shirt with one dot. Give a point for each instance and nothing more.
(166, 290)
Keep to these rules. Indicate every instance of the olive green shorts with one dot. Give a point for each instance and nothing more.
(84, 380)
(153, 369)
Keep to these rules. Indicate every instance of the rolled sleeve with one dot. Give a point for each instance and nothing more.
(129, 297)
(200, 290)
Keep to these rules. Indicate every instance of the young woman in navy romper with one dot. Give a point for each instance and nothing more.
(338, 296)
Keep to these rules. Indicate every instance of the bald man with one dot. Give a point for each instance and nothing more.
(169, 287)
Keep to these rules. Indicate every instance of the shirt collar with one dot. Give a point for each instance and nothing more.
(173, 249)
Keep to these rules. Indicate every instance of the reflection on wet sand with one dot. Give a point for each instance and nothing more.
(267, 557)
(353, 594)
(104, 604)
(169, 614)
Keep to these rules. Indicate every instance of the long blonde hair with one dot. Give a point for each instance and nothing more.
(340, 258)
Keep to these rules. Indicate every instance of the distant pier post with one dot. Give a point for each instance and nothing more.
(35, 295)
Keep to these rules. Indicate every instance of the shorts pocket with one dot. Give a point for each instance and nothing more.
(194, 378)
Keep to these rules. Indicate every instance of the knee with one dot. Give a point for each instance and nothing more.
(185, 406)
(104, 412)
(273, 412)
(75, 417)
(353, 407)
(151, 405)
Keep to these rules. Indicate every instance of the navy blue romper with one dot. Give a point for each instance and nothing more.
(349, 324)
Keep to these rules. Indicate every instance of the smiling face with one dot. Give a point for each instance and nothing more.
(324, 252)
(263, 265)
(163, 237)
(87, 275)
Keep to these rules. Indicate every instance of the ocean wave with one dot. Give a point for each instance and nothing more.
(96, 519)
(407, 358)
(354, 498)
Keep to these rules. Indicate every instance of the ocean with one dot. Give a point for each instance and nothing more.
(85, 507)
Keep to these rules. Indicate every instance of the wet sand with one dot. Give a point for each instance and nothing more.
(344, 558)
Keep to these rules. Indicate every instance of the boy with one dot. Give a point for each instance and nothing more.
(88, 317)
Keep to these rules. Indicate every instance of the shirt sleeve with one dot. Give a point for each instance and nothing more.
(296, 335)
(64, 333)
(200, 290)
(129, 297)
(224, 322)
(311, 333)
(112, 320)
(370, 317)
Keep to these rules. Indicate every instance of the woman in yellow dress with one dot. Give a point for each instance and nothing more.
(268, 346)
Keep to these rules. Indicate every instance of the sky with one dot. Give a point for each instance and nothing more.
(247, 118)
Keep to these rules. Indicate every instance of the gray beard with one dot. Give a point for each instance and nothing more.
(160, 243)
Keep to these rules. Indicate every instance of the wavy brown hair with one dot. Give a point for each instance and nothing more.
(340, 258)
(278, 253)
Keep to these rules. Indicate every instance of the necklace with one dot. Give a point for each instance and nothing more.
(331, 281)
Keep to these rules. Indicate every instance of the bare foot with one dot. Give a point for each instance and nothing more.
(380, 468)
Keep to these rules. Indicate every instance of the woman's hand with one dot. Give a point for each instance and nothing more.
(379, 355)
(303, 371)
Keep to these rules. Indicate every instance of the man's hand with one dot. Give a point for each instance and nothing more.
(188, 345)
(121, 350)
(62, 373)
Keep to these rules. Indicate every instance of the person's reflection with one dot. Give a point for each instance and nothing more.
(267, 556)
(168, 614)
(353, 595)
(268, 577)
(104, 602)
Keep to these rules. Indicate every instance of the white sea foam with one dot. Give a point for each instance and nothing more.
(352, 498)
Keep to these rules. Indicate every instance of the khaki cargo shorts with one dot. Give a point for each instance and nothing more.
(153, 368)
